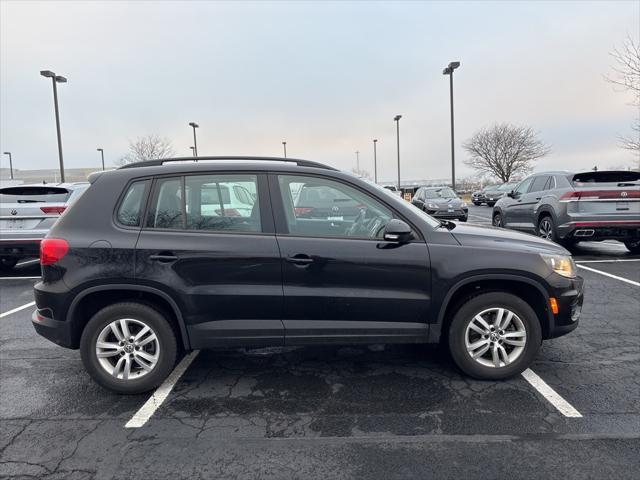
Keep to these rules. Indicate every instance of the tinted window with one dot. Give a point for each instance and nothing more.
(325, 208)
(132, 203)
(34, 195)
(524, 186)
(538, 183)
(439, 193)
(222, 203)
(166, 204)
(551, 183)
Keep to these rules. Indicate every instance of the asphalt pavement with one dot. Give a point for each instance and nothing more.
(394, 411)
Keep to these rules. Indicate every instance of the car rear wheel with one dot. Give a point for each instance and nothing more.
(547, 229)
(7, 263)
(128, 348)
(494, 335)
(633, 246)
(497, 220)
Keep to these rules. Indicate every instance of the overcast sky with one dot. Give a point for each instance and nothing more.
(325, 77)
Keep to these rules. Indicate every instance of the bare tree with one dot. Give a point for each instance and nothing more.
(626, 74)
(149, 147)
(504, 150)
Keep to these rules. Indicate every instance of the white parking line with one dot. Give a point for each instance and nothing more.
(564, 407)
(626, 280)
(162, 392)
(17, 309)
(613, 260)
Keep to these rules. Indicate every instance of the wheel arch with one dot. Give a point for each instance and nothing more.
(521, 286)
(90, 300)
(546, 211)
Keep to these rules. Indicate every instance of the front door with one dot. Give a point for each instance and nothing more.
(513, 207)
(216, 254)
(341, 280)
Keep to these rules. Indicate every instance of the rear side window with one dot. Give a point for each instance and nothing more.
(131, 207)
(34, 194)
(166, 209)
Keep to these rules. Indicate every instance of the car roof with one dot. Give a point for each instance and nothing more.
(67, 185)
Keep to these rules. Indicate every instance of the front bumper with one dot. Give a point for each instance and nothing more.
(569, 294)
(445, 214)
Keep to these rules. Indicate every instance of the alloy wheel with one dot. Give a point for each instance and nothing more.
(127, 349)
(495, 337)
(545, 229)
(497, 220)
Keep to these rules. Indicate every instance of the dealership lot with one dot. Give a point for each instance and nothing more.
(340, 411)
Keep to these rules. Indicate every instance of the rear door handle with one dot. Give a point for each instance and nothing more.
(163, 258)
(300, 259)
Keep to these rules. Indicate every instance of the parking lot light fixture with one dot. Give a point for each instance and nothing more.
(55, 79)
(358, 161)
(449, 71)
(284, 146)
(397, 120)
(193, 151)
(10, 164)
(375, 161)
(194, 125)
(101, 155)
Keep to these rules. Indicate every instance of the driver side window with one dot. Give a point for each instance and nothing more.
(319, 207)
(524, 186)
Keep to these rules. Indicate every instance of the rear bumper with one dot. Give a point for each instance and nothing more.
(54, 330)
(50, 319)
(623, 230)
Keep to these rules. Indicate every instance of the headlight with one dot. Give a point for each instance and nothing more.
(464, 205)
(561, 264)
(432, 206)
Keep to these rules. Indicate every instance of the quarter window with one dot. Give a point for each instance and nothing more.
(131, 206)
(319, 207)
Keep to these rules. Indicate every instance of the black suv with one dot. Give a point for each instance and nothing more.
(151, 261)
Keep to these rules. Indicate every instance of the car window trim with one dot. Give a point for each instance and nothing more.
(282, 226)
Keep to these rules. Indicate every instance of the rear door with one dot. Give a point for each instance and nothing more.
(221, 263)
(341, 281)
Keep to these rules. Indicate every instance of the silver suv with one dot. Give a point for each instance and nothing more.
(27, 212)
(571, 207)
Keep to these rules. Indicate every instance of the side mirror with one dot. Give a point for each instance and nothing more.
(397, 231)
(512, 194)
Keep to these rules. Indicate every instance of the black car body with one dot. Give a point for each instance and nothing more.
(132, 256)
(573, 207)
(491, 195)
(441, 202)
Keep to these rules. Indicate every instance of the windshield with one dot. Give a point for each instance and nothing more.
(507, 186)
(440, 193)
(606, 179)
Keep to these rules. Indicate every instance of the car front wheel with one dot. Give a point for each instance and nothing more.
(633, 246)
(128, 348)
(494, 336)
(497, 220)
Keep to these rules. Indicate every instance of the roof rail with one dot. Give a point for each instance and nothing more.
(159, 162)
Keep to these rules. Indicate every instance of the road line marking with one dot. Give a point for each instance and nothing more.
(564, 407)
(162, 392)
(621, 260)
(28, 262)
(19, 278)
(17, 309)
(626, 280)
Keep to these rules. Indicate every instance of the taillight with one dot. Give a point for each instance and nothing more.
(52, 250)
(302, 211)
(55, 210)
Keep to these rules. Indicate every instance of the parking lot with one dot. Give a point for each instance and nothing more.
(339, 411)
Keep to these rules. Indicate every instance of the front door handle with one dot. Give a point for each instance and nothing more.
(300, 259)
(163, 257)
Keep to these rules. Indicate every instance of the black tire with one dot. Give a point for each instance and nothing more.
(7, 263)
(463, 219)
(547, 228)
(497, 220)
(633, 246)
(477, 204)
(148, 316)
(478, 304)
(491, 204)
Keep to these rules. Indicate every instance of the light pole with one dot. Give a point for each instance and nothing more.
(195, 143)
(193, 151)
(358, 161)
(375, 161)
(55, 79)
(10, 164)
(449, 71)
(101, 155)
(284, 146)
(397, 120)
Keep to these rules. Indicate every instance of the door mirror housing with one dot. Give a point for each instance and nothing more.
(512, 194)
(397, 231)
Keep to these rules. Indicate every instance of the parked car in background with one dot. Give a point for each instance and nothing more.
(27, 212)
(478, 197)
(496, 192)
(166, 275)
(571, 207)
(441, 202)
